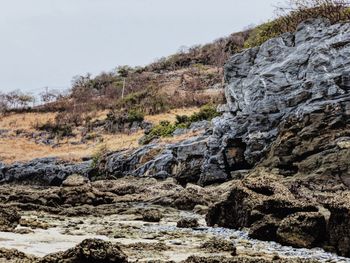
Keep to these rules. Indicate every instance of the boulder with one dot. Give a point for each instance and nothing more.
(89, 251)
(77, 190)
(190, 197)
(303, 229)
(45, 171)
(216, 245)
(152, 215)
(338, 226)
(265, 206)
(188, 222)
(9, 219)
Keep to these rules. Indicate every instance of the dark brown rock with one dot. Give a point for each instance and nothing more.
(89, 251)
(151, 215)
(261, 203)
(302, 230)
(339, 226)
(265, 229)
(9, 218)
(187, 223)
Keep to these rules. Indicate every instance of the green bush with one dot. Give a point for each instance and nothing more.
(262, 33)
(180, 119)
(297, 11)
(98, 155)
(56, 130)
(135, 116)
(163, 129)
(206, 112)
(166, 129)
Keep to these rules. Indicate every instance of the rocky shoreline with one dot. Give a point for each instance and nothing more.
(275, 164)
(140, 220)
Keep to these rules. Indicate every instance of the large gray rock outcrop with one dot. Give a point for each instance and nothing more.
(45, 171)
(289, 76)
(183, 161)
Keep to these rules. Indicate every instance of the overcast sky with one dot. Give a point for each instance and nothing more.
(47, 42)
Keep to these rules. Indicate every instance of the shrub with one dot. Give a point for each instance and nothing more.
(180, 119)
(122, 121)
(206, 112)
(135, 116)
(98, 155)
(55, 129)
(166, 129)
(296, 12)
(148, 101)
(262, 33)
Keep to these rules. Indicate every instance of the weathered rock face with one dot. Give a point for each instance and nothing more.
(292, 76)
(287, 106)
(302, 230)
(90, 250)
(316, 145)
(77, 190)
(271, 212)
(9, 219)
(339, 222)
(46, 171)
(183, 161)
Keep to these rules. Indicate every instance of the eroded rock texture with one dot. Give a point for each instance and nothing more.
(294, 87)
(271, 211)
(89, 251)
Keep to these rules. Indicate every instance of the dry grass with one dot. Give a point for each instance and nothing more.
(24, 121)
(21, 149)
(13, 149)
(171, 115)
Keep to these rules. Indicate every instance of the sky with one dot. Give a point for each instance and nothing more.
(45, 43)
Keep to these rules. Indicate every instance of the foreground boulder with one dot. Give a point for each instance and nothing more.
(303, 229)
(77, 190)
(271, 212)
(89, 251)
(9, 219)
(339, 224)
(15, 256)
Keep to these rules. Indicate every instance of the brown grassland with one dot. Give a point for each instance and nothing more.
(14, 148)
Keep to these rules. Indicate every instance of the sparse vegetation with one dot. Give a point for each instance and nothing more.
(166, 128)
(55, 129)
(98, 155)
(295, 12)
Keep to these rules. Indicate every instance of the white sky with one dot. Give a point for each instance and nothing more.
(47, 42)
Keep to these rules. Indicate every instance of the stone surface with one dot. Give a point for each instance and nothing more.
(268, 208)
(9, 219)
(299, 75)
(46, 171)
(187, 222)
(151, 215)
(303, 230)
(90, 250)
(339, 222)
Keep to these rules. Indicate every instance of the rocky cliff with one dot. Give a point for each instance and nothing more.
(287, 108)
(295, 88)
